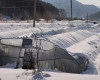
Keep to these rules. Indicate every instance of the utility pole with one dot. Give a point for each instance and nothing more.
(34, 13)
(87, 17)
(71, 10)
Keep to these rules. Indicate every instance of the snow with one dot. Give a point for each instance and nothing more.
(82, 38)
(9, 65)
(19, 74)
(89, 47)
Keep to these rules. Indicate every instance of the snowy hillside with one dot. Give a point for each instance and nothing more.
(75, 38)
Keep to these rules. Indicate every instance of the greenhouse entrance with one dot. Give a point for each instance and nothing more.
(29, 59)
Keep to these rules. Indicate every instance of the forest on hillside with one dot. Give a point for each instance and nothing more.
(23, 9)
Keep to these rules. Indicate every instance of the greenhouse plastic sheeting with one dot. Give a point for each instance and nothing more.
(49, 56)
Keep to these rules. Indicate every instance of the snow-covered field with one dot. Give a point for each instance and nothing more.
(80, 38)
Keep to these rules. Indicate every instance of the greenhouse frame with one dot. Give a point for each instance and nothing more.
(47, 54)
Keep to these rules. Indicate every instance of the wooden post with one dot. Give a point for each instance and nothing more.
(71, 10)
(87, 17)
(34, 13)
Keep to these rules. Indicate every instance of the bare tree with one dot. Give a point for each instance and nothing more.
(62, 13)
(27, 16)
(15, 18)
(1, 16)
(38, 17)
(48, 16)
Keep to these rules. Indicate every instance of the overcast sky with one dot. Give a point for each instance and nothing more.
(95, 2)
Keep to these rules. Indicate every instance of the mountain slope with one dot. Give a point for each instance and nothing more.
(99, 7)
(79, 9)
(22, 9)
(95, 16)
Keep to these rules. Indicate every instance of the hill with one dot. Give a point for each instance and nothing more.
(23, 9)
(79, 9)
(98, 6)
(95, 16)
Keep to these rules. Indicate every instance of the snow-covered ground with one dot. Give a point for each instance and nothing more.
(80, 38)
(19, 74)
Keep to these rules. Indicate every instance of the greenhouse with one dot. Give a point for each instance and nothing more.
(27, 52)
